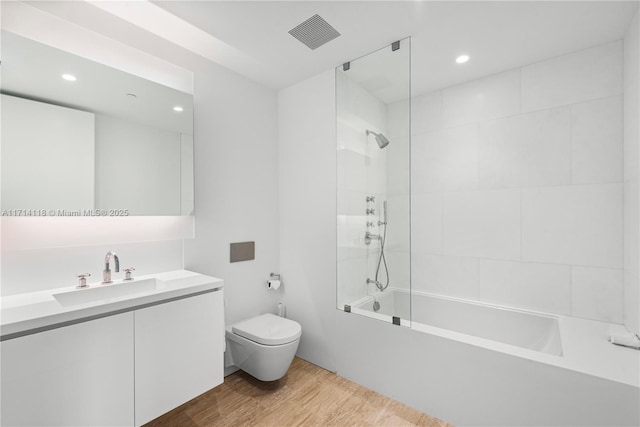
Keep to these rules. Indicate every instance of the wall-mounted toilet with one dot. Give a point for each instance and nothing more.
(263, 346)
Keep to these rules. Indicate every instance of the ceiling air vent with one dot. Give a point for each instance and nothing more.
(314, 32)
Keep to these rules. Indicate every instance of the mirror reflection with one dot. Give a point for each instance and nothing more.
(80, 138)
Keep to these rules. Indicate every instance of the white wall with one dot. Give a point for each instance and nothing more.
(307, 177)
(48, 252)
(236, 187)
(517, 187)
(631, 177)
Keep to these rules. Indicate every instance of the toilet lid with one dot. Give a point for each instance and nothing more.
(268, 329)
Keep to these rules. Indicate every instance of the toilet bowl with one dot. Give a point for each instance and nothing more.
(263, 346)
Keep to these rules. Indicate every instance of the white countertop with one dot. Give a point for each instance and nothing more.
(22, 313)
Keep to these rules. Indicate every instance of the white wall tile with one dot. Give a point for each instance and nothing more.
(351, 202)
(375, 170)
(420, 175)
(445, 160)
(366, 106)
(526, 150)
(398, 218)
(482, 224)
(350, 230)
(488, 98)
(398, 115)
(632, 226)
(585, 75)
(351, 276)
(426, 224)
(446, 275)
(579, 225)
(567, 132)
(426, 112)
(399, 263)
(397, 243)
(543, 287)
(353, 172)
(596, 141)
(398, 165)
(631, 302)
(352, 137)
(631, 173)
(632, 99)
(597, 294)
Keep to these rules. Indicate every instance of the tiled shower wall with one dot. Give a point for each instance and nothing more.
(517, 187)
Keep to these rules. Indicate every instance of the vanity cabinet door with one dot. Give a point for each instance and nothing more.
(178, 353)
(77, 375)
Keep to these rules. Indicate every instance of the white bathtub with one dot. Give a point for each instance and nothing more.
(518, 328)
(567, 342)
(540, 369)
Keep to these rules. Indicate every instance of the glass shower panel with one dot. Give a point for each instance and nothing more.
(373, 164)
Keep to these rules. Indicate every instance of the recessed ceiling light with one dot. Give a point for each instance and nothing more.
(178, 108)
(132, 96)
(69, 77)
(462, 59)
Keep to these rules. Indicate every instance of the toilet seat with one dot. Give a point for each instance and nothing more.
(268, 329)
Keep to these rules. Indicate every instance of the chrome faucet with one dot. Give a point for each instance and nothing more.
(106, 273)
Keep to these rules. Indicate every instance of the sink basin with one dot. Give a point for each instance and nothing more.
(98, 292)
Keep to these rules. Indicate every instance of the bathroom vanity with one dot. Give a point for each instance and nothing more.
(119, 354)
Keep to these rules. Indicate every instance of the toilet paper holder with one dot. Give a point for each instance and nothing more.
(274, 282)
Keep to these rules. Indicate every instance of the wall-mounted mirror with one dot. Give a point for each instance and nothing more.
(80, 138)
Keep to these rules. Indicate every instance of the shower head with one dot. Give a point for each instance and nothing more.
(380, 139)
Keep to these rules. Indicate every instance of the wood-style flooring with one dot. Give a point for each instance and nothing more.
(306, 396)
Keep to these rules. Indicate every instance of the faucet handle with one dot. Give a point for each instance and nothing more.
(82, 280)
(127, 273)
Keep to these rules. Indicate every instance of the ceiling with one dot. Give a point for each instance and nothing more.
(251, 37)
(496, 35)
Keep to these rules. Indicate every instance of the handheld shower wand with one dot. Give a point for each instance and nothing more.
(384, 214)
(382, 260)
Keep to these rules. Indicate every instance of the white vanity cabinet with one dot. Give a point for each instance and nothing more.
(122, 368)
(178, 353)
(77, 375)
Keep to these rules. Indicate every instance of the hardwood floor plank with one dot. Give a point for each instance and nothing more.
(306, 396)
